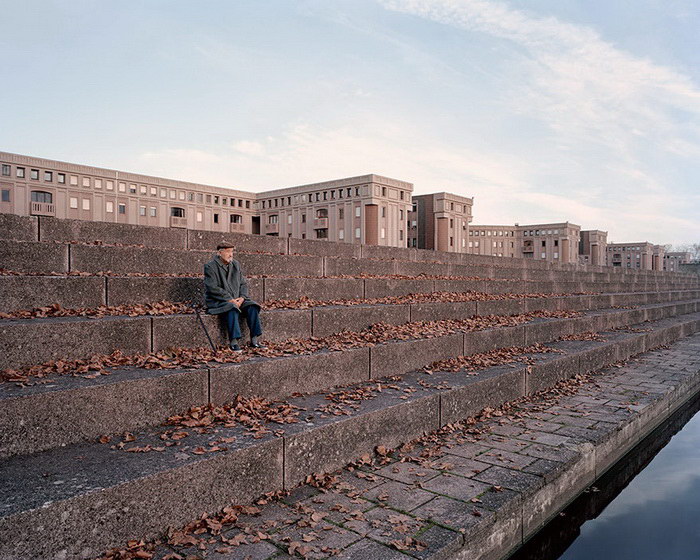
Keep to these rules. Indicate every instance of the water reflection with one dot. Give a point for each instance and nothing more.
(645, 508)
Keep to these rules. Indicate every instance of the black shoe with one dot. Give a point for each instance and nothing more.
(234, 346)
(254, 343)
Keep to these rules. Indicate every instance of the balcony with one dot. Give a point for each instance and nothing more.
(320, 223)
(236, 228)
(271, 229)
(178, 222)
(43, 209)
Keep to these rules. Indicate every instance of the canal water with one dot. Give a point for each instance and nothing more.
(647, 507)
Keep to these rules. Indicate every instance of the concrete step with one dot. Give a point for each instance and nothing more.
(25, 342)
(79, 500)
(58, 257)
(34, 417)
(29, 291)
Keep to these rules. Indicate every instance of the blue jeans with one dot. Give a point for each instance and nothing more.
(252, 316)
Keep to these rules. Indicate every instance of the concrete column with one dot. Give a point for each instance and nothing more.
(443, 233)
(564, 257)
(594, 254)
(371, 224)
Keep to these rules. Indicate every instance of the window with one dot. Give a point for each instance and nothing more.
(349, 191)
(556, 255)
(200, 198)
(544, 255)
(383, 191)
(216, 218)
(321, 234)
(322, 213)
(208, 199)
(358, 211)
(42, 196)
(476, 243)
(357, 191)
(236, 219)
(86, 204)
(86, 181)
(35, 174)
(556, 243)
(182, 195)
(122, 187)
(452, 223)
(383, 236)
(471, 244)
(154, 192)
(110, 207)
(154, 212)
(5, 195)
(74, 202)
(400, 235)
(122, 208)
(495, 244)
(143, 190)
(341, 213)
(289, 219)
(452, 241)
(273, 219)
(544, 243)
(5, 170)
(199, 216)
(61, 178)
(110, 185)
(357, 233)
(341, 232)
(132, 188)
(247, 203)
(48, 176)
(98, 183)
(303, 218)
(20, 172)
(216, 200)
(142, 210)
(383, 211)
(401, 195)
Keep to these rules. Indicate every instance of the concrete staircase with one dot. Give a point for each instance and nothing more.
(70, 491)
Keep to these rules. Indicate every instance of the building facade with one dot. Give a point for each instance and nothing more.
(496, 241)
(643, 255)
(593, 246)
(440, 221)
(673, 260)
(368, 209)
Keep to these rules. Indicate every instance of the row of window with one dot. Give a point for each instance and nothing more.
(533, 233)
(109, 185)
(277, 202)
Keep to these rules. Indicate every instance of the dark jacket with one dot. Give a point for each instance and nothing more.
(223, 283)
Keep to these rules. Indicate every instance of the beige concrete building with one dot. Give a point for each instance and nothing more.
(368, 209)
(643, 255)
(593, 246)
(440, 221)
(673, 260)
(496, 241)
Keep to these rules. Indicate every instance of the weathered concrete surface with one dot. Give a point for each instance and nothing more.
(322, 248)
(352, 267)
(135, 289)
(26, 256)
(27, 292)
(379, 288)
(333, 319)
(19, 228)
(319, 289)
(208, 240)
(390, 358)
(54, 229)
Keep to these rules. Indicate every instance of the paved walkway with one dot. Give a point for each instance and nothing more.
(464, 488)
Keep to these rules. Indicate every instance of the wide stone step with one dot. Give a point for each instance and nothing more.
(35, 417)
(32, 341)
(79, 500)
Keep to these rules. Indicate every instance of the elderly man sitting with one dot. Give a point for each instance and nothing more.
(226, 292)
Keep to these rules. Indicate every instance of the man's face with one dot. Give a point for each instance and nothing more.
(226, 255)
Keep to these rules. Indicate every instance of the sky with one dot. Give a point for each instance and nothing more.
(543, 110)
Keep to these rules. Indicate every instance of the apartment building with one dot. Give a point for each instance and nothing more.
(42, 187)
(368, 209)
(496, 241)
(643, 255)
(593, 247)
(673, 260)
(440, 221)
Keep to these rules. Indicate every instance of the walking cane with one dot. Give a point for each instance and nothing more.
(195, 306)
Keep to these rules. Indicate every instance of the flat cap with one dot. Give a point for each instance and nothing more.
(224, 246)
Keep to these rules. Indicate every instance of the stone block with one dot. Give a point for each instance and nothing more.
(389, 253)
(34, 341)
(489, 388)
(54, 229)
(460, 286)
(133, 290)
(545, 330)
(185, 331)
(432, 311)
(355, 267)
(333, 319)
(501, 307)
(19, 228)
(208, 240)
(280, 265)
(90, 258)
(320, 289)
(410, 268)
(476, 342)
(548, 303)
(395, 358)
(546, 374)
(380, 287)
(27, 292)
(26, 256)
(37, 418)
(280, 377)
(573, 303)
(481, 271)
(594, 359)
(322, 248)
(157, 492)
(336, 443)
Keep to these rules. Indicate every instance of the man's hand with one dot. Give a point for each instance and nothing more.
(238, 301)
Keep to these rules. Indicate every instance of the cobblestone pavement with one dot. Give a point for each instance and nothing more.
(430, 497)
